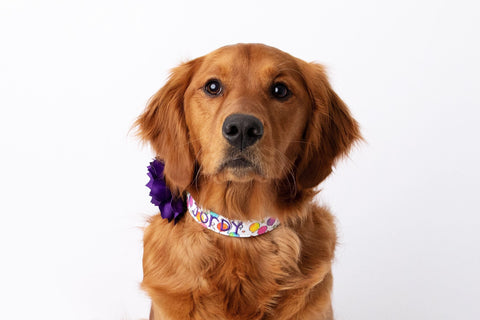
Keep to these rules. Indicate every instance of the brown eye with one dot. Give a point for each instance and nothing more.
(213, 87)
(280, 91)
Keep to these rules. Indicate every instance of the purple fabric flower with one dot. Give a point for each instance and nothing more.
(170, 208)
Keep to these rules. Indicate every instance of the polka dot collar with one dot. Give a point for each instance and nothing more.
(229, 227)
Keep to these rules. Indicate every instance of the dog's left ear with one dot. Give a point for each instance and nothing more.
(330, 132)
(163, 125)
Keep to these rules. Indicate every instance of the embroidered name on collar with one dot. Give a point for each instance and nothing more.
(229, 227)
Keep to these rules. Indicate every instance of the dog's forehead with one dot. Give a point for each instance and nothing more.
(248, 59)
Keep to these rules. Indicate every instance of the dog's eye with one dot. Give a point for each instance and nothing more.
(280, 91)
(213, 87)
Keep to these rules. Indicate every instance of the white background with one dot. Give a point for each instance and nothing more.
(74, 75)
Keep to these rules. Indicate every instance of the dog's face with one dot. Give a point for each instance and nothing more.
(248, 112)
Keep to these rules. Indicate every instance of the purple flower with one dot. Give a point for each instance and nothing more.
(170, 208)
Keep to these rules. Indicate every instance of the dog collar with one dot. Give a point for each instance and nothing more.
(228, 227)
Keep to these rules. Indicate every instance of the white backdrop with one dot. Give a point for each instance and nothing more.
(74, 75)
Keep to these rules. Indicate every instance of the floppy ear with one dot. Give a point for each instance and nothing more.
(163, 125)
(330, 132)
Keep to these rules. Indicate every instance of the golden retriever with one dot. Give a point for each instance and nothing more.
(248, 131)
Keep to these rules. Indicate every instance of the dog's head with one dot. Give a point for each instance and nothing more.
(248, 112)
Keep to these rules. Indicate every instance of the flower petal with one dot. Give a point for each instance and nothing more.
(156, 168)
(160, 191)
(166, 211)
(161, 195)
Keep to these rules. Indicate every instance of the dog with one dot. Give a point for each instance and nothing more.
(244, 134)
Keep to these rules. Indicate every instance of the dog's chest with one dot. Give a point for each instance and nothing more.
(207, 274)
(244, 279)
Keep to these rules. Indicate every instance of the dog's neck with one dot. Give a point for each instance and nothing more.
(233, 200)
(253, 200)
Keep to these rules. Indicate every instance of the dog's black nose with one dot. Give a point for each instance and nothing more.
(242, 130)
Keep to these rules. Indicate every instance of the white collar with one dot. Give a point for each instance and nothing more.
(229, 227)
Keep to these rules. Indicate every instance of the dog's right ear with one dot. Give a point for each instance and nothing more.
(163, 126)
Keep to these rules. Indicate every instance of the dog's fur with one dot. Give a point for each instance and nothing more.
(193, 273)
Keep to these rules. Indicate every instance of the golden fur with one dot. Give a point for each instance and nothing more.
(193, 273)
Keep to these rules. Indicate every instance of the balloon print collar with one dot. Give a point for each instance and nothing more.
(229, 227)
